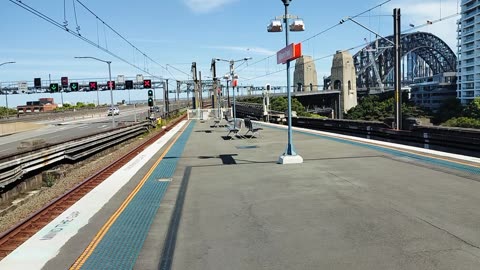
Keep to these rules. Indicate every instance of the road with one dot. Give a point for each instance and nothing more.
(54, 131)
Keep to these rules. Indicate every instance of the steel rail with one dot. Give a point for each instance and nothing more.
(26, 228)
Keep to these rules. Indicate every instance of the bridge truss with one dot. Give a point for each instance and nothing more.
(423, 53)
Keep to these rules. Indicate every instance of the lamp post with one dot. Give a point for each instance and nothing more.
(232, 77)
(109, 85)
(289, 156)
(6, 96)
(227, 79)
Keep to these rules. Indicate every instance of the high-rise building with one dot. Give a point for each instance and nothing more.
(468, 86)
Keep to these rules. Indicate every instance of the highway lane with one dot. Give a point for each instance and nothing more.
(54, 131)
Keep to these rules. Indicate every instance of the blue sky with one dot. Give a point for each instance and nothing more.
(177, 32)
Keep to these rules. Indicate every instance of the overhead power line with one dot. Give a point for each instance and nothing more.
(357, 46)
(78, 35)
(322, 32)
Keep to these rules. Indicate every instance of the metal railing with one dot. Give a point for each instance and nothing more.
(14, 167)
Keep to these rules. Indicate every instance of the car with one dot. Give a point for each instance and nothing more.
(155, 109)
(114, 111)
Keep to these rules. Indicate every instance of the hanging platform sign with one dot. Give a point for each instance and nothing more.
(289, 53)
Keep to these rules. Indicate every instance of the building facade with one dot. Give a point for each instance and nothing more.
(42, 105)
(430, 92)
(468, 86)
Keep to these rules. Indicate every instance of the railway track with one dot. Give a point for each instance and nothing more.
(22, 231)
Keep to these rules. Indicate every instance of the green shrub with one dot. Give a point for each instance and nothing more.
(463, 122)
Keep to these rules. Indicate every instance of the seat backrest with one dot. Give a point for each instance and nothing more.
(237, 123)
(248, 123)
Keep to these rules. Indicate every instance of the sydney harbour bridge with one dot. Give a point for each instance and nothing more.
(423, 54)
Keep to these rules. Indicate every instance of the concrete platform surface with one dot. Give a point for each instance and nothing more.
(345, 207)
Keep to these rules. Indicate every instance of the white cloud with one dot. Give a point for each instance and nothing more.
(418, 12)
(206, 6)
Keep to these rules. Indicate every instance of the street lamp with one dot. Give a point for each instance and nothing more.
(109, 85)
(233, 76)
(6, 96)
(289, 156)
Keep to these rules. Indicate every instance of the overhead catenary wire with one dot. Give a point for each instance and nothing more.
(120, 35)
(61, 26)
(323, 31)
(76, 20)
(65, 22)
(352, 48)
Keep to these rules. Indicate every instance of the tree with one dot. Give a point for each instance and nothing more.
(373, 108)
(281, 104)
(473, 109)
(463, 122)
(450, 108)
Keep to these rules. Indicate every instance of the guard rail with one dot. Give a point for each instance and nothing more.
(14, 167)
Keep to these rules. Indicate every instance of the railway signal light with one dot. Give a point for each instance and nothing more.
(147, 84)
(54, 87)
(150, 98)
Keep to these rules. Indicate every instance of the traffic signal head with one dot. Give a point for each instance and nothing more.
(147, 83)
(74, 86)
(129, 84)
(150, 93)
(37, 82)
(268, 87)
(111, 85)
(93, 86)
(54, 87)
(150, 102)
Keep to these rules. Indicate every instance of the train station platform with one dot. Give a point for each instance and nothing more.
(198, 200)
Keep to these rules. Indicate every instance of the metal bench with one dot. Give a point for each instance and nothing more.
(234, 128)
(251, 128)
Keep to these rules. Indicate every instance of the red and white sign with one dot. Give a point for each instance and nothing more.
(291, 52)
(235, 83)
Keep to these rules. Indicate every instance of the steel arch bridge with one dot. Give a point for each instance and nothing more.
(425, 54)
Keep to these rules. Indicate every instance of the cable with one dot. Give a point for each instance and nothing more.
(76, 20)
(57, 24)
(307, 62)
(65, 22)
(178, 70)
(353, 48)
(121, 36)
(431, 22)
(324, 31)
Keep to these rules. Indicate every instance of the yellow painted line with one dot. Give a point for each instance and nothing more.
(99, 236)
(405, 151)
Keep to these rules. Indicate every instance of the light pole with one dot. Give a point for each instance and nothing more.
(110, 84)
(289, 156)
(232, 77)
(6, 96)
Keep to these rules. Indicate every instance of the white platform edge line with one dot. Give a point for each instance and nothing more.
(47, 243)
